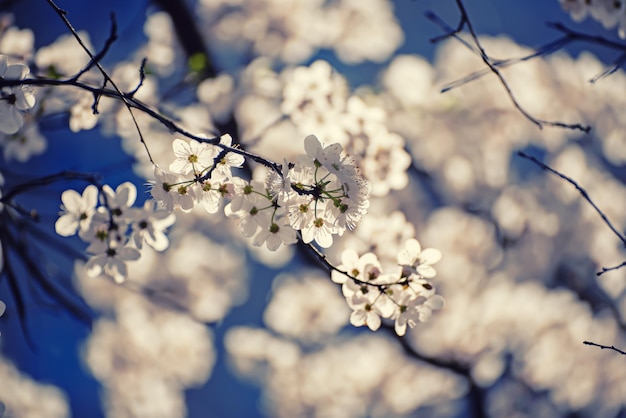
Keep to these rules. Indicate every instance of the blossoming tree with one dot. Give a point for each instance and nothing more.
(221, 148)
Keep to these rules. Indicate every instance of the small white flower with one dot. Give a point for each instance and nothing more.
(149, 225)
(320, 231)
(363, 268)
(413, 310)
(300, 210)
(24, 144)
(111, 261)
(279, 232)
(13, 100)
(252, 206)
(163, 188)
(414, 260)
(230, 160)
(120, 200)
(279, 184)
(210, 193)
(365, 312)
(191, 157)
(77, 211)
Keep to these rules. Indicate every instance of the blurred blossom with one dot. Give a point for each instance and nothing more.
(218, 94)
(64, 57)
(22, 397)
(24, 144)
(608, 12)
(162, 46)
(362, 376)
(307, 309)
(17, 44)
(292, 30)
(147, 358)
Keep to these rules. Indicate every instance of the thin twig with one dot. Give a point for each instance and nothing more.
(580, 189)
(605, 347)
(585, 195)
(479, 50)
(62, 14)
(47, 180)
(100, 55)
(607, 269)
(137, 104)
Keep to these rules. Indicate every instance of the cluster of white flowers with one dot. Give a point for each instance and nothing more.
(322, 194)
(404, 295)
(319, 196)
(114, 230)
(608, 12)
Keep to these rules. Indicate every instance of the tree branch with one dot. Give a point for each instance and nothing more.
(492, 66)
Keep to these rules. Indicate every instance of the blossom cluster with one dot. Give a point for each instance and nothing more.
(320, 195)
(404, 295)
(608, 12)
(114, 230)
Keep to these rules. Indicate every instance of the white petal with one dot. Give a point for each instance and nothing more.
(90, 196)
(127, 253)
(358, 318)
(435, 302)
(127, 192)
(66, 225)
(93, 267)
(426, 271)
(11, 119)
(72, 201)
(373, 321)
(312, 146)
(430, 256)
(413, 247)
(400, 326)
(159, 241)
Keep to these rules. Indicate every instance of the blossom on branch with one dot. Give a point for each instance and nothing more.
(13, 100)
(77, 211)
(110, 260)
(403, 295)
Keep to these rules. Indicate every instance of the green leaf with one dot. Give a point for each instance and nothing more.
(197, 62)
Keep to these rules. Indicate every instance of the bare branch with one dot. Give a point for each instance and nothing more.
(585, 195)
(100, 55)
(62, 14)
(605, 347)
(478, 49)
(607, 269)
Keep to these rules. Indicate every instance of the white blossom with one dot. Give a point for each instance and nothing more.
(76, 211)
(110, 260)
(13, 100)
